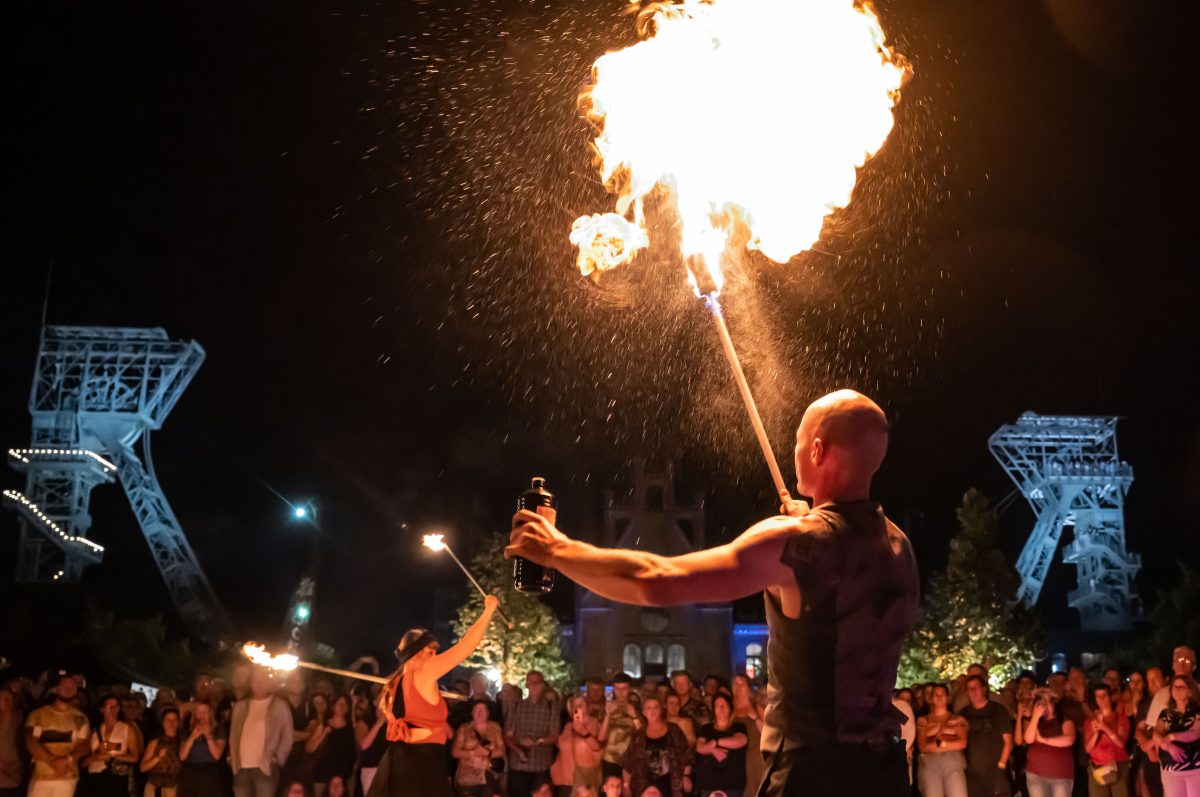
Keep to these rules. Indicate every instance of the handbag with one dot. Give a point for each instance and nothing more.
(1105, 775)
(120, 769)
(495, 763)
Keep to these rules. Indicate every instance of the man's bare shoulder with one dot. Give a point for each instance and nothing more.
(897, 538)
(781, 526)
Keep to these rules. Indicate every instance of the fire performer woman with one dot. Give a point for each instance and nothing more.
(840, 584)
(415, 762)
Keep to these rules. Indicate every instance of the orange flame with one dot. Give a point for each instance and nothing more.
(754, 112)
(258, 654)
(605, 241)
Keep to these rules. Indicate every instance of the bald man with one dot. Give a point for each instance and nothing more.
(840, 585)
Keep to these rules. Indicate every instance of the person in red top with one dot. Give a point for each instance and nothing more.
(1105, 736)
(1050, 767)
(415, 761)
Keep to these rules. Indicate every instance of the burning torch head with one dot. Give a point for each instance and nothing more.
(777, 177)
(259, 655)
(434, 542)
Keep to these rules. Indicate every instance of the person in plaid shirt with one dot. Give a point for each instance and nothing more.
(530, 733)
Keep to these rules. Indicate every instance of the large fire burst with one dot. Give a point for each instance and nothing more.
(746, 112)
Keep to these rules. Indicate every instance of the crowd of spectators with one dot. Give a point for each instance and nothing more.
(258, 735)
(1124, 734)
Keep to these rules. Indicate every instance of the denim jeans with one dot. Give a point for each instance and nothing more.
(943, 774)
(1048, 787)
(255, 783)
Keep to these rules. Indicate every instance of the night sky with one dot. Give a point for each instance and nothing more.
(360, 210)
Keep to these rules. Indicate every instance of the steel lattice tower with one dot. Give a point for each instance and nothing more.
(97, 394)
(1069, 470)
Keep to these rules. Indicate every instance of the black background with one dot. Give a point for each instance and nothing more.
(360, 211)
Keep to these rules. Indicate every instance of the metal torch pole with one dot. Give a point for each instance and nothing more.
(362, 676)
(739, 376)
(476, 584)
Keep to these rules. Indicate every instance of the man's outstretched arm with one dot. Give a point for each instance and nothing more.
(749, 564)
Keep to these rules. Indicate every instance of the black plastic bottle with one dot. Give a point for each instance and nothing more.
(527, 576)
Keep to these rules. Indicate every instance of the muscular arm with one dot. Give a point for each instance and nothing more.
(743, 567)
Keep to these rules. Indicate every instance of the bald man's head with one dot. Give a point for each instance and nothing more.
(840, 444)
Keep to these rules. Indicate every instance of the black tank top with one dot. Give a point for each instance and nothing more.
(831, 672)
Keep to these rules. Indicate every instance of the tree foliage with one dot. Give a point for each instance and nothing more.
(533, 643)
(1174, 621)
(970, 613)
(141, 649)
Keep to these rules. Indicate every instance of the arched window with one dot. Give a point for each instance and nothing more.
(632, 661)
(676, 658)
(654, 654)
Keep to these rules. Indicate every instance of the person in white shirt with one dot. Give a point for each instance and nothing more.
(57, 735)
(116, 749)
(260, 738)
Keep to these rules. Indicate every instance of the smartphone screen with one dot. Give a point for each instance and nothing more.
(150, 692)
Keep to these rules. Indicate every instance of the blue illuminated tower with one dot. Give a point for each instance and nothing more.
(1069, 470)
(98, 393)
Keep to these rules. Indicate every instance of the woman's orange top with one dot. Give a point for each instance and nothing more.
(420, 713)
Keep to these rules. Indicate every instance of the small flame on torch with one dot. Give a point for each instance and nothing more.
(258, 654)
(434, 542)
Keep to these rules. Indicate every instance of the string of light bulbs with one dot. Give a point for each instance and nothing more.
(49, 523)
(24, 454)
